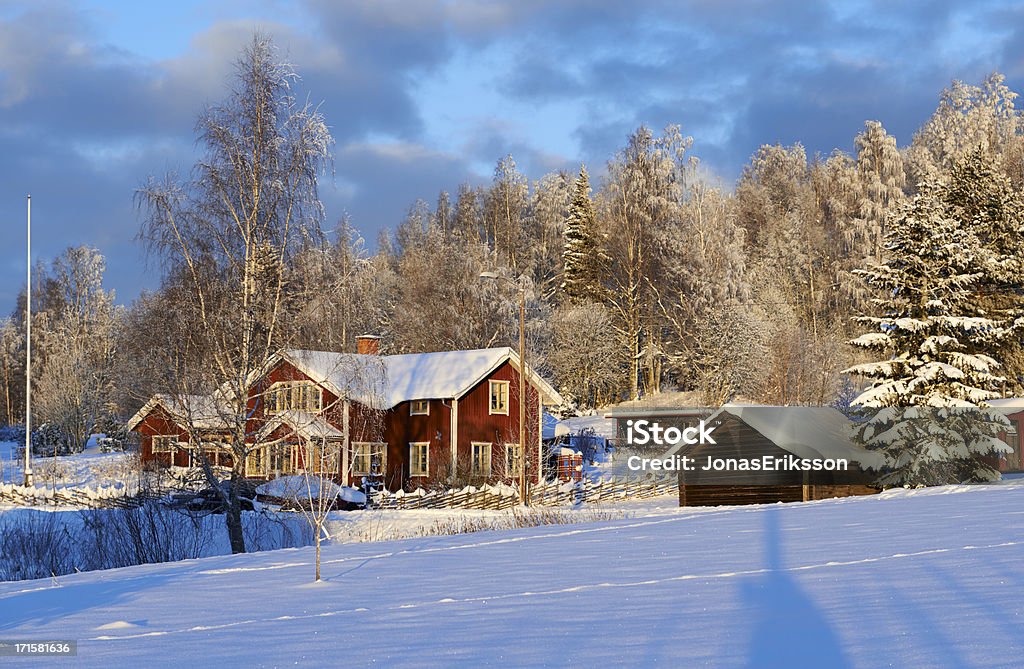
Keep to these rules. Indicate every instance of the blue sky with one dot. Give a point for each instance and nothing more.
(95, 96)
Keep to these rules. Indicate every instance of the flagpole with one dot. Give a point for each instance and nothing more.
(28, 348)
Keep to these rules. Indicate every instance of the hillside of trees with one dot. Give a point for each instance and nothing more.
(641, 276)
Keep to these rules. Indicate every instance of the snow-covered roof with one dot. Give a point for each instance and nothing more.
(377, 381)
(808, 432)
(306, 425)
(1008, 405)
(603, 427)
(201, 411)
(385, 381)
(300, 487)
(362, 378)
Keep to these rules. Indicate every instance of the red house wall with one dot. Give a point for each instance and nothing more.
(159, 423)
(476, 423)
(401, 429)
(1013, 462)
(284, 371)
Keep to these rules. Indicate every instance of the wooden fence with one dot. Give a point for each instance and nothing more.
(101, 497)
(553, 493)
(485, 497)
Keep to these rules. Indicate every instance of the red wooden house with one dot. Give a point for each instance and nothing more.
(408, 420)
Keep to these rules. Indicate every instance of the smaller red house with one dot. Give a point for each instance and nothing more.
(406, 420)
(1013, 409)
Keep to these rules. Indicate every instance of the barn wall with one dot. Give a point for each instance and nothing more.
(719, 495)
(736, 439)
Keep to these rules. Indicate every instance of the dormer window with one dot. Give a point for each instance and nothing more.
(293, 396)
(419, 408)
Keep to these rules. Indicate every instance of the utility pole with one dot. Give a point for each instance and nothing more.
(522, 395)
(523, 496)
(28, 347)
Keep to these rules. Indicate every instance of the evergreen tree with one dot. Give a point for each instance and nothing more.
(925, 405)
(983, 198)
(583, 260)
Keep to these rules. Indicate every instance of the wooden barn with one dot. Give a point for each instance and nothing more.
(404, 420)
(778, 434)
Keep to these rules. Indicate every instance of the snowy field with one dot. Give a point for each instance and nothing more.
(90, 467)
(930, 578)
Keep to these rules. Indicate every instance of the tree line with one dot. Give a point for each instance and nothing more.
(644, 275)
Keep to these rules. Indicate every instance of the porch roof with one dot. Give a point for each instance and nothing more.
(306, 425)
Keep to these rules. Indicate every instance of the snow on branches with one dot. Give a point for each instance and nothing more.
(941, 347)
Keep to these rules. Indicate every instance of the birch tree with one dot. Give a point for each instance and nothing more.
(228, 233)
(645, 186)
(74, 386)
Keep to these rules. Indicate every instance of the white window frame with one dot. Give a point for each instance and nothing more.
(423, 408)
(287, 396)
(213, 451)
(369, 447)
(513, 461)
(501, 410)
(321, 457)
(172, 440)
(256, 461)
(474, 460)
(286, 452)
(414, 446)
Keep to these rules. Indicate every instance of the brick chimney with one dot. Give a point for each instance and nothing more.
(368, 344)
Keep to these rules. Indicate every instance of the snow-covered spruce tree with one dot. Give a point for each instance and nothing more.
(583, 259)
(984, 199)
(924, 410)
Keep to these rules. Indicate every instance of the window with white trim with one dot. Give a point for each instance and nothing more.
(256, 462)
(293, 396)
(214, 452)
(164, 443)
(369, 458)
(280, 459)
(513, 463)
(323, 458)
(499, 397)
(419, 458)
(419, 408)
(480, 459)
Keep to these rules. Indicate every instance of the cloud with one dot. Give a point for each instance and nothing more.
(83, 120)
(379, 182)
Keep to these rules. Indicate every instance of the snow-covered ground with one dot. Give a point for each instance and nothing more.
(928, 578)
(88, 468)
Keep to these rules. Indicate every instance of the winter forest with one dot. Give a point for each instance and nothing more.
(809, 280)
